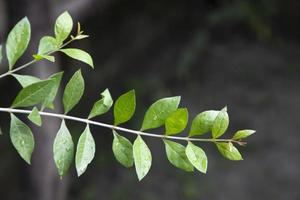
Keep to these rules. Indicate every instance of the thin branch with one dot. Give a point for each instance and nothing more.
(118, 128)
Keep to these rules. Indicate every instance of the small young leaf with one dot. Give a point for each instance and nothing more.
(177, 157)
(1, 55)
(73, 91)
(35, 117)
(177, 121)
(241, 134)
(40, 57)
(17, 41)
(123, 150)
(103, 105)
(85, 153)
(203, 122)
(229, 151)
(63, 149)
(47, 44)
(197, 157)
(26, 80)
(142, 157)
(158, 112)
(124, 107)
(22, 138)
(33, 94)
(80, 55)
(63, 27)
(220, 124)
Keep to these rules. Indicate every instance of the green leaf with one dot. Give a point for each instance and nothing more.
(1, 55)
(56, 80)
(103, 105)
(203, 122)
(26, 80)
(80, 55)
(158, 112)
(176, 155)
(35, 117)
(40, 57)
(142, 157)
(17, 41)
(85, 153)
(63, 149)
(124, 107)
(241, 134)
(73, 91)
(22, 138)
(220, 124)
(123, 150)
(63, 27)
(197, 157)
(47, 44)
(229, 151)
(177, 121)
(33, 94)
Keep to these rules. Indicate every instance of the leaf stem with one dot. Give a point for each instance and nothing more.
(91, 122)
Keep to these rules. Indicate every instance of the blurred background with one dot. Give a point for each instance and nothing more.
(241, 53)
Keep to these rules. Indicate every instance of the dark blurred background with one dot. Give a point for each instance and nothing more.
(242, 53)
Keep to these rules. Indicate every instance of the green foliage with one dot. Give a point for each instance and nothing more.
(85, 152)
(142, 157)
(73, 91)
(124, 107)
(158, 112)
(17, 41)
(22, 138)
(63, 149)
(123, 150)
(40, 94)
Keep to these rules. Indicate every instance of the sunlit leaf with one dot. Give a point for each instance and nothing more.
(22, 138)
(142, 157)
(123, 150)
(203, 122)
(17, 41)
(63, 149)
(40, 57)
(63, 27)
(176, 155)
(177, 121)
(158, 112)
(241, 134)
(47, 44)
(197, 157)
(124, 107)
(220, 124)
(35, 117)
(80, 55)
(26, 80)
(85, 153)
(73, 91)
(103, 105)
(229, 151)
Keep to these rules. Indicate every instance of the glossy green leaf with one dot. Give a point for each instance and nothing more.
(103, 105)
(33, 94)
(26, 80)
(177, 157)
(85, 153)
(1, 55)
(56, 80)
(21, 138)
(158, 112)
(17, 41)
(220, 124)
(142, 157)
(63, 149)
(73, 91)
(197, 157)
(241, 134)
(229, 151)
(40, 57)
(177, 121)
(203, 122)
(63, 27)
(47, 44)
(35, 117)
(123, 150)
(124, 107)
(80, 55)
